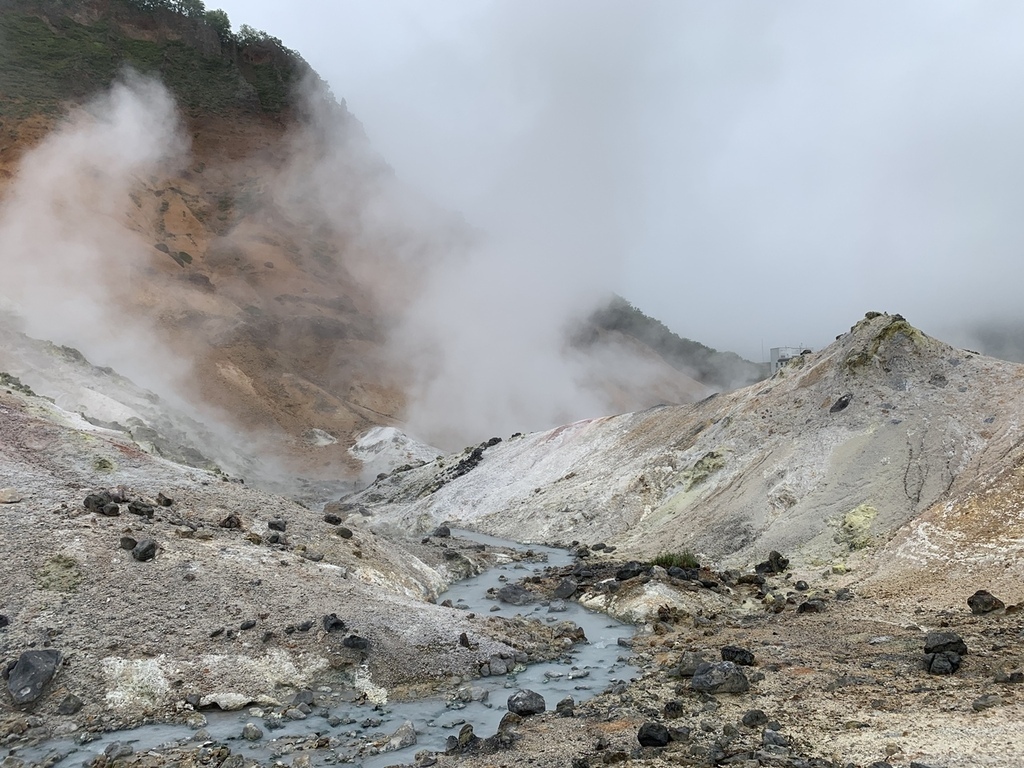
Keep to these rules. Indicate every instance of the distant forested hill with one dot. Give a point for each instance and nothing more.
(721, 370)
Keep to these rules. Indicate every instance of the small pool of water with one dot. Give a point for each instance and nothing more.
(583, 671)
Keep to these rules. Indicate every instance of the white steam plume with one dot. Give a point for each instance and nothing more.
(66, 249)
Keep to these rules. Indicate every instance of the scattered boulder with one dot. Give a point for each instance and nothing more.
(247, 624)
(516, 594)
(31, 673)
(144, 550)
(814, 605)
(277, 524)
(141, 509)
(986, 702)
(231, 521)
(251, 732)
(943, 652)
(566, 707)
(345, 533)
(404, 736)
(332, 623)
(738, 655)
(684, 574)
(775, 563)
(331, 519)
(630, 570)
(557, 606)
(164, 501)
(127, 542)
(4, 621)
(566, 588)
(525, 703)
(653, 735)
(942, 663)
(841, 404)
(355, 641)
(69, 705)
(674, 708)
(755, 718)
(983, 601)
(442, 532)
(942, 642)
(720, 677)
(689, 663)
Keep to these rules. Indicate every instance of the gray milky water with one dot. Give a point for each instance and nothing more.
(350, 728)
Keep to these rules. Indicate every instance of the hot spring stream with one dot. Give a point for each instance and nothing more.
(583, 671)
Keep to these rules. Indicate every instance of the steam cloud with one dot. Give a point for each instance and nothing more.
(68, 251)
(480, 316)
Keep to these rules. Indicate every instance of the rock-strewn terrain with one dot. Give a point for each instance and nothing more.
(166, 587)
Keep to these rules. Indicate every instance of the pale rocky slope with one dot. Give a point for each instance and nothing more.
(921, 461)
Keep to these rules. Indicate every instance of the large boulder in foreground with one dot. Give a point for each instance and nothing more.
(720, 677)
(526, 702)
(31, 674)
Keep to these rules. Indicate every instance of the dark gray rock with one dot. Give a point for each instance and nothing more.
(110, 510)
(738, 655)
(232, 521)
(814, 605)
(31, 673)
(4, 621)
(141, 508)
(944, 663)
(720, 677)
(332, 623)
(629, 571)
(442, 532)
(356, 642)
(775, 563)
(983, 601)
(332, 519)
(674, 708)
(942, 642)
(127, 542)
(144, 550)
(345, 533)
(515, 594)
(566, 588)
(653, 735)
(755, 718)
(277, 524)
(95, 502)
(251, 732)
(69, 705)
(566, 707)
(305, 696)
(525, 703)
(247, 624)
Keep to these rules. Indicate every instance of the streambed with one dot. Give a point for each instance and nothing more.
(345, 728)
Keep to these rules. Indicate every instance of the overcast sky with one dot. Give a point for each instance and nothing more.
(754, 174)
